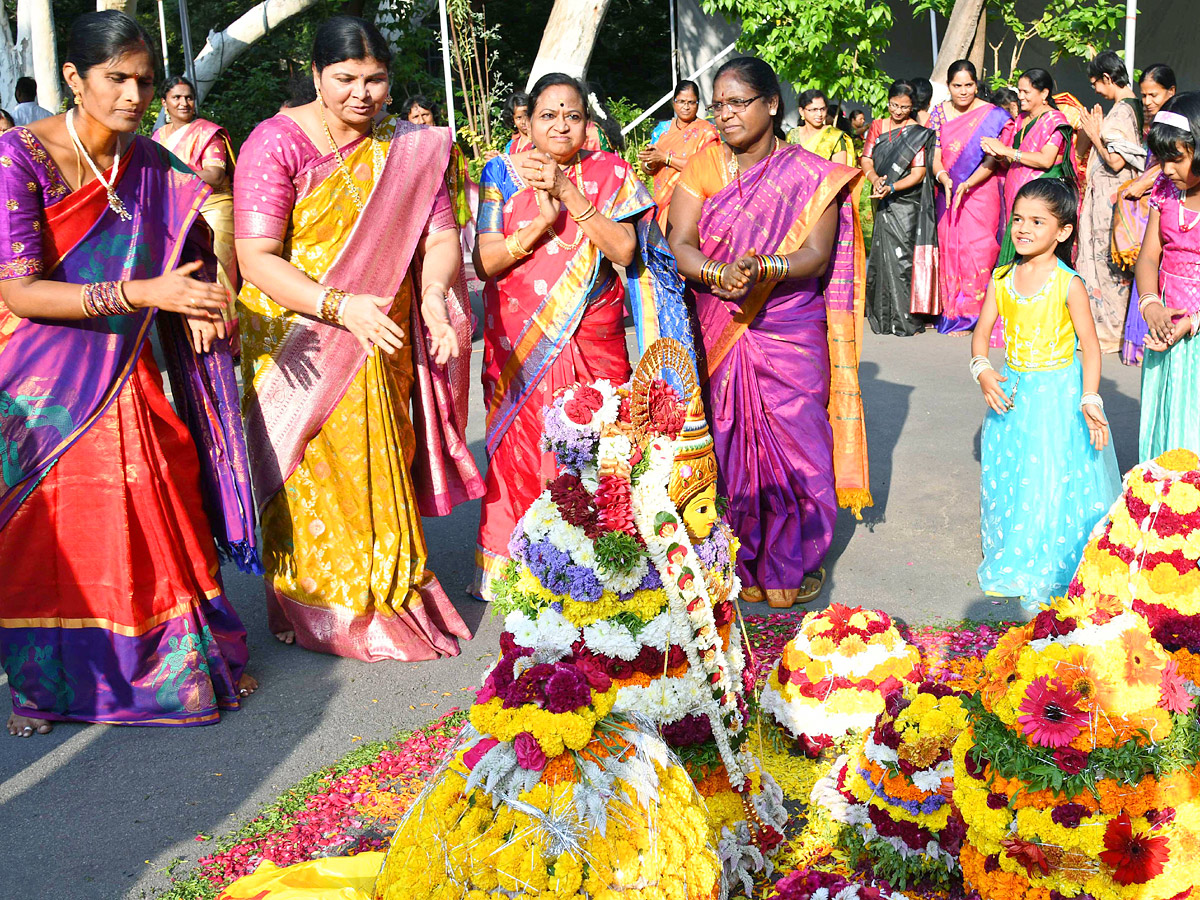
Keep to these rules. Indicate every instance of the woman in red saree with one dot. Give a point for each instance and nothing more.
(781, 332)
(111, 603)
(352, 309)
(205, 146)
(673, 143)
(552, 223)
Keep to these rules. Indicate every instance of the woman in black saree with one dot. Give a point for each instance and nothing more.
(902, 269)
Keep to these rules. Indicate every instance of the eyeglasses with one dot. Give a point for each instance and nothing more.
(897, 108)
(734, 105)
(687, 103)
(816, 109)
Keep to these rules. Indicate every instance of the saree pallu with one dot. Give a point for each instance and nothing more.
(782, 367)
(969, 238)
(902, 273)
(555, 320)
(341, 474)
(680, 142)
(1107, 283)
(111, 605)
(1130, 217)
(191, 146)
(1030, 137)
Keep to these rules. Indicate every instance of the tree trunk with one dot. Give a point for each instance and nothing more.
(569, 38)
(129, 7)
(15, 61)
(223, 47)
(978, 54)
(960, 36)
(35, 26)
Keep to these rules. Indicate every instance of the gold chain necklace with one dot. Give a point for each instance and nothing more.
(578, 167)
(347, 175)
(734, 169)
(114, 202)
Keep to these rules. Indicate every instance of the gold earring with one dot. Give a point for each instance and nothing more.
(388, 101)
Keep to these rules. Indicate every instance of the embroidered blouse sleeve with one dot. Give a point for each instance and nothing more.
(21, 225)
(441, 216)
(215, 156)
(264, 191)
(492, 197)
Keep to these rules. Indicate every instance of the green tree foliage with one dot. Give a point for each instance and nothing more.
(833, 45)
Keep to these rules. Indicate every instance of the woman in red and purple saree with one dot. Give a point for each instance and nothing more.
(111, 603)
(352, 313)
(970, 206)
(554, 308)
(781, 333)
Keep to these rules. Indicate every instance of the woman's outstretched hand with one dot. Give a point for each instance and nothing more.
(443, 339)
(364, 317)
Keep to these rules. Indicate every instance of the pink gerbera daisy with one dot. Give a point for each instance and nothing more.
(1053, 713)
(1175, 696)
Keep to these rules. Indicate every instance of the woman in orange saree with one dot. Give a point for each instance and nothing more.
(111, 603)
(205, 146)
(347, 242)
(552, 223)
(673, 143)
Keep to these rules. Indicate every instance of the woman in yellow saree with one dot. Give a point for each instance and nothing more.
(342, 223)
(815, 135)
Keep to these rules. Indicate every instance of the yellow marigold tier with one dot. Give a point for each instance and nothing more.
(637, 829)
(834, 675)
(1079, 771)
(1146, 555)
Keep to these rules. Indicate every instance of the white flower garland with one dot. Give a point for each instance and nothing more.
(813, 717)
(689, 598)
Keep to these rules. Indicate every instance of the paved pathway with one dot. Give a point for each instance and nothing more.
(102, 812)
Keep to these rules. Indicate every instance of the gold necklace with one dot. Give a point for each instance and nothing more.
(578, 167)
(347, 175)
(114, 202)
(734, 169)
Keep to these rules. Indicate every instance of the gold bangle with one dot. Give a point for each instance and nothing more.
(513, 244)
(331, 304)
(586, 214)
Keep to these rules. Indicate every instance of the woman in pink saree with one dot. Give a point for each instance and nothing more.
(970, 206)
(1038, 148)
(205, 146)
(352, 307)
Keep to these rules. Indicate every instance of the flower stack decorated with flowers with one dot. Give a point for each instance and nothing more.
(836, 673)
(1079, 772)
(893, 793)
(622, 570)
(1146, 555)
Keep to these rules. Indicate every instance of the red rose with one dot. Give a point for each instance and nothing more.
(1070, 760)
(618, 668)
(666, 411)
(578, 412)
(676, 656)
(624, 410)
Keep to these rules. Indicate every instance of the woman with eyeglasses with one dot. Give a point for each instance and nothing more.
(902, 270)
(970, 206)
(673, 143)
(815, 135)
(553, 223)
(765, 233)
(1038, 148)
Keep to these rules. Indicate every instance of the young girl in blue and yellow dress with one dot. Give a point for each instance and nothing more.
(1049, 471)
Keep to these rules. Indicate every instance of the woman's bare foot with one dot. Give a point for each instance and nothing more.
(247, 685)
(781, 598)
(23, 726)
(752, 595)
(288, 637)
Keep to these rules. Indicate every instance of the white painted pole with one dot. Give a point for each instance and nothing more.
(1130, 36)
(446, 68)
(162, 33)
(933, 34)
(674, 46)
(671, 93)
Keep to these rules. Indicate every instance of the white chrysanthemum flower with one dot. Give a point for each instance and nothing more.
(927, 780)
(523, 629)
(612, 639)
(554, 632)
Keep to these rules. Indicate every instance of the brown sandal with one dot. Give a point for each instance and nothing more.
(752, 595)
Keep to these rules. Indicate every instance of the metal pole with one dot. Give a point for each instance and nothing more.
(446, 67)
(674, 46)
(933, 34)
(671, 93)
(185, 28)
(162, 32)
(1130, 36)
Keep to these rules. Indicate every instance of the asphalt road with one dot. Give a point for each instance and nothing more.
(103, 812)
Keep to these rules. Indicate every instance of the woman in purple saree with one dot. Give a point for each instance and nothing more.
(111, 604)
(352, 308)
(781, 332)
(970, 206)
